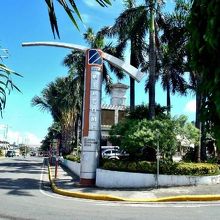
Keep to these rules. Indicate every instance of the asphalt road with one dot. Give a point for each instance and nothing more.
(25, 194)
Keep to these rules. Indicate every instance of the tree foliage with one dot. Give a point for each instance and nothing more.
(71, 10)
(137, 134)
(134, 135)
(61, 98)
(204, 25)
(6, 84)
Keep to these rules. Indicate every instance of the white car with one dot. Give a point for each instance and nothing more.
(113, 154)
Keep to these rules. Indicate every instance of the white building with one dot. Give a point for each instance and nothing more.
(114, 112)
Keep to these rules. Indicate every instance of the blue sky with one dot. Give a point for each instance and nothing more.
(25, 21)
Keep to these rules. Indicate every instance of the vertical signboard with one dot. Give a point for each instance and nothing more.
(91, 117)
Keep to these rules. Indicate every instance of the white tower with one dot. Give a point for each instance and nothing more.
(118, 97)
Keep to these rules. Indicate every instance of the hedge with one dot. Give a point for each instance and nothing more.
(72, 157)
(195, 169)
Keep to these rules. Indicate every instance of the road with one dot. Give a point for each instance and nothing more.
(25, 194)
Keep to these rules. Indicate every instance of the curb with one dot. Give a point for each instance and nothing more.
(107, 197)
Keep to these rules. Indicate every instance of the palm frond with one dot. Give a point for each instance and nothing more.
(71, 9)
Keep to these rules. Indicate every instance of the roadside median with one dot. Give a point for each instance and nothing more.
(106, 197)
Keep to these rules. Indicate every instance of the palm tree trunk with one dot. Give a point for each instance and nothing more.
(132, 81)
(152, 61)
(132, 94)
(77, 129)
(198, 123)
(168, 99)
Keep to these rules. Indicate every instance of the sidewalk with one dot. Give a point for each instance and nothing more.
(69, 182)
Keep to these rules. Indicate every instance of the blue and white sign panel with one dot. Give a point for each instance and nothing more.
(94, 57)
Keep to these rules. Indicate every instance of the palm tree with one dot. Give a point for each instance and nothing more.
(130, 27)
(172, 51)
(60, 98)
(70, 8)
(54, 132)
(172, 80)
(75, 61)
(6, 84)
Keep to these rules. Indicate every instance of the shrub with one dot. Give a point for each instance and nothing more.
(166, 167)
(196, 169)
(72, 157)
(1, 153)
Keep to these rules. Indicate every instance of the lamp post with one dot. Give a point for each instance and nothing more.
(92, 103)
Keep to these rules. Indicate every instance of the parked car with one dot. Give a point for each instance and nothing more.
(10, 153)
(32, 154)
(114, 154)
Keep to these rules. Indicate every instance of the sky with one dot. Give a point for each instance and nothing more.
(27, 21)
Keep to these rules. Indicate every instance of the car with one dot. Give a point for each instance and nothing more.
(33, 154)
(115, 154)
(10, 153)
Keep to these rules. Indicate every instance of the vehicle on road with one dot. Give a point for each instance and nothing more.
(10, 153)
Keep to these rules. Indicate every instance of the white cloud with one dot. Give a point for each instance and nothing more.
(18, 137)
(190, 106)
(32, 139)
(14, 137)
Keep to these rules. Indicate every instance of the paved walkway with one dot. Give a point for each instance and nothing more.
(68, 181)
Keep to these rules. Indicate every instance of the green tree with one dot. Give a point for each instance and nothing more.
(130, 27)
(188, 131)
(60, 98)
(133, 135)
(205, 51)
(54, 132)
(173, 51)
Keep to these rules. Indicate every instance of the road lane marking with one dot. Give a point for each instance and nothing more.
(52, 195)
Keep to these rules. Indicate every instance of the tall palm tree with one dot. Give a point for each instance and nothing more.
(71, 9)
(173, 53)
(130, 27)
(75, 61)
(172, 78)
(60, 98)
